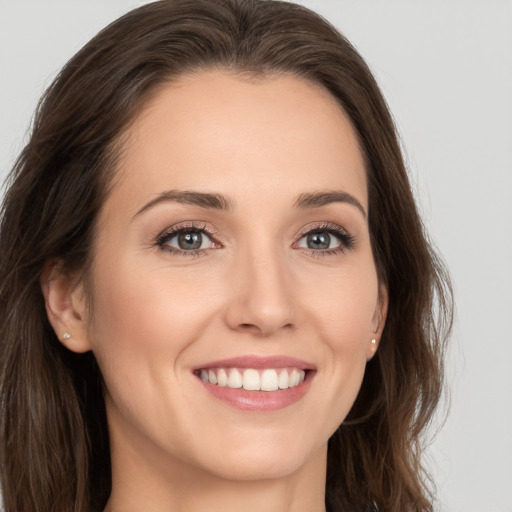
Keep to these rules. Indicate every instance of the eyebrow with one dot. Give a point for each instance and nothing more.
(319, 199)
(216, 201)
(201, 199)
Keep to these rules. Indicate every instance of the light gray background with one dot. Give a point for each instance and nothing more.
(445, 67)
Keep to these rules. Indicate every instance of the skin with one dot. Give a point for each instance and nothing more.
(256, 288)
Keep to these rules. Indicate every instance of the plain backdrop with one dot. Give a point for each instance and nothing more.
(445, 67)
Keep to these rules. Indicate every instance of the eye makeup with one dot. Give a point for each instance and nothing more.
(189, 239)
(321, 235)
(198, 238)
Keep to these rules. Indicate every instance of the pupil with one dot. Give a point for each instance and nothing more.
(190, 241)
(319, 241)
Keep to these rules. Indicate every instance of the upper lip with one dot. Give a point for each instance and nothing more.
(259, 362)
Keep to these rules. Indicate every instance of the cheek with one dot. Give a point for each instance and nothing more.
(145, 309)
(342, 313)
(344, 307)
(143, 325)
(143, 322)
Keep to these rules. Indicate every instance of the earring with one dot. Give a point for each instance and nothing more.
(66, 336)
(374, 341)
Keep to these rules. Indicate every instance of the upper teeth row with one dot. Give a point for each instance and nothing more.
(254, 380)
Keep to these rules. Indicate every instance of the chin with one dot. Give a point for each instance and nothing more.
(258, 468)
(265, 460)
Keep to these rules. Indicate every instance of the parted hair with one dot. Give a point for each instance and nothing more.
(54, 445)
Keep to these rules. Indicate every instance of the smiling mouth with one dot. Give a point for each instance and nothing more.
(251, 379)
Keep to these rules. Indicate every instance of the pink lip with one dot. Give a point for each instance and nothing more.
(259, 363)
(260, 401)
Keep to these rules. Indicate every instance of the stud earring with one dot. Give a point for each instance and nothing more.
(374, 341)
(66, 336)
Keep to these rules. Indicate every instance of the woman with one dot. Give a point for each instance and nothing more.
(216, 291)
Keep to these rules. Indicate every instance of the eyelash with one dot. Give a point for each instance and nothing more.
(173, 231)
(346, 240)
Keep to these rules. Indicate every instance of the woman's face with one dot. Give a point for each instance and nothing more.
(234, 248)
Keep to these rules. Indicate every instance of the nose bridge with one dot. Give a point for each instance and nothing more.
(262, 300)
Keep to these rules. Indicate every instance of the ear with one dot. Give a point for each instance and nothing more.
(378, 322)
(65, 306)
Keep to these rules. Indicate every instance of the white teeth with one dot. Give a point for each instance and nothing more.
(269, 381)
(222, 378)
(254, 380)
(251, 380)
(212, 377)
(294, 378)
(235, 379)
(284, 380)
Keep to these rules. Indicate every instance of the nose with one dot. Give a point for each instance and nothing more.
(261, 301)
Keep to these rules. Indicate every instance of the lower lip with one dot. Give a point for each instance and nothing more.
(264, 401)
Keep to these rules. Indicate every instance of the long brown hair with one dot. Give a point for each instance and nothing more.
(54, 447)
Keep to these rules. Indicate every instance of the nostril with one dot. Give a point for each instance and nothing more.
(249, 328)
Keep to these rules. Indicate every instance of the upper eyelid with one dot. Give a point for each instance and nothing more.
(192, 226)
(203, 226)
(323, 226)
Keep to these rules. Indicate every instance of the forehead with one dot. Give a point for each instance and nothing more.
(215, 129)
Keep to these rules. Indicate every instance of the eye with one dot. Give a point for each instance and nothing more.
(189, 240)
(320, 240)
(185, 239)
(327, 239)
